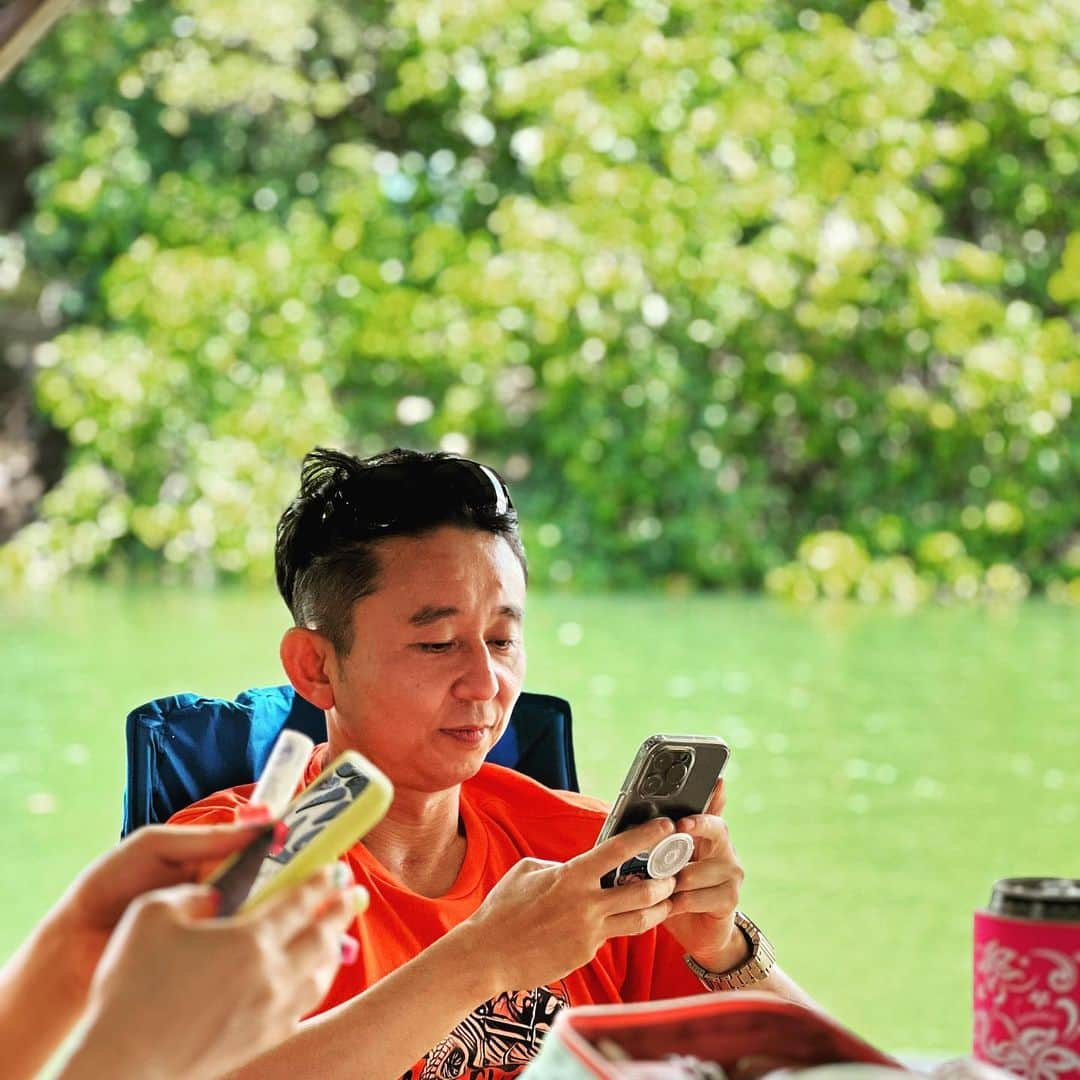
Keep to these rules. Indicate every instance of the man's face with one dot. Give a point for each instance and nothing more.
(437, 660)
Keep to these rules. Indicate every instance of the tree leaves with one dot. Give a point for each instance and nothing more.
(714, 284)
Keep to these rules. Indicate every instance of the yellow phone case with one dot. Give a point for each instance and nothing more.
(344, 802)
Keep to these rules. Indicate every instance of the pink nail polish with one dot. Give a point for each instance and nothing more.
(350, 950)
(281, 834)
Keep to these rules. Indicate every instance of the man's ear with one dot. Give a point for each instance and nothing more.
(308, 659)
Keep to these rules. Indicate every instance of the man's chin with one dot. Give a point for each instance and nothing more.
(448, 777)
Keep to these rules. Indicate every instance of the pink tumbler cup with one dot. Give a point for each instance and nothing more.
(1027, 978)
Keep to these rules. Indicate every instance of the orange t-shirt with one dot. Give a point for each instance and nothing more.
(507, 817)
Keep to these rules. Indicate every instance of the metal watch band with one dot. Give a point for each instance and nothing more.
(752, 970)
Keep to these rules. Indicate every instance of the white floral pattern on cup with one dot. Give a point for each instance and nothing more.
(1027, 1010)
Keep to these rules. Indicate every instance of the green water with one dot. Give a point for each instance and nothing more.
(886, 769)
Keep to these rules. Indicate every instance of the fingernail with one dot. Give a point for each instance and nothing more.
(350, 949)
(361, 899)
(281, 834)
(253, 814)
(341, 876)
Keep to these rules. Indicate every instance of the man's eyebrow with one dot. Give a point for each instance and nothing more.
(429, 614)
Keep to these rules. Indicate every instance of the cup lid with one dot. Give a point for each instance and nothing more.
(1054, 899)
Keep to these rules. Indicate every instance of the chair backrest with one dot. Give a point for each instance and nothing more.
(184, 747)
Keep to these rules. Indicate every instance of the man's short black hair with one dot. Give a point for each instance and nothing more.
(326, 555)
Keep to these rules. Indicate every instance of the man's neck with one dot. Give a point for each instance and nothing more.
(420, 841)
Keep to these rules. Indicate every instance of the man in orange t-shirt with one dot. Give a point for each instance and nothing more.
(405, 577)
(506, 817)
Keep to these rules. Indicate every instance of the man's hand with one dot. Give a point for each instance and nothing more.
(707, 892)
(544, 920)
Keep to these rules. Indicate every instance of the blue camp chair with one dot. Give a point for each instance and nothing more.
(184, 747)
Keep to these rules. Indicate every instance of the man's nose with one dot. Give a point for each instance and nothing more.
(477, 680)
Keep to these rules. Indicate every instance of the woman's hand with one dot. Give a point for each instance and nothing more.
(179, 993)
(43, 986)
(151, 858)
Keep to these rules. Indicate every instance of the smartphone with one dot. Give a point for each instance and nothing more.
(671, 776)
(343, 803)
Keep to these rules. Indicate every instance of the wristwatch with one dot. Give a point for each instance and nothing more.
(753, 969)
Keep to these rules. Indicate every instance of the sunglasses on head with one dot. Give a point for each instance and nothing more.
(399, 495)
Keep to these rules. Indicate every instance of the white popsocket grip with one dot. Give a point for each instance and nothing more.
(670, 855)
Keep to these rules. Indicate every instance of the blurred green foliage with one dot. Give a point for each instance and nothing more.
(731, 291)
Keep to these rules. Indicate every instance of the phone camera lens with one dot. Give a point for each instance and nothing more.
(662, 761)
(676, 777)
(652, 784)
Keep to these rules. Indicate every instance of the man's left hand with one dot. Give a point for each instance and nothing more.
(707, 892)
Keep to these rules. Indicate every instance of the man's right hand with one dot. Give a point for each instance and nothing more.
(546, 919)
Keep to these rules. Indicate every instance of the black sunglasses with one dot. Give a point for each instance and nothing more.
(391, 496)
